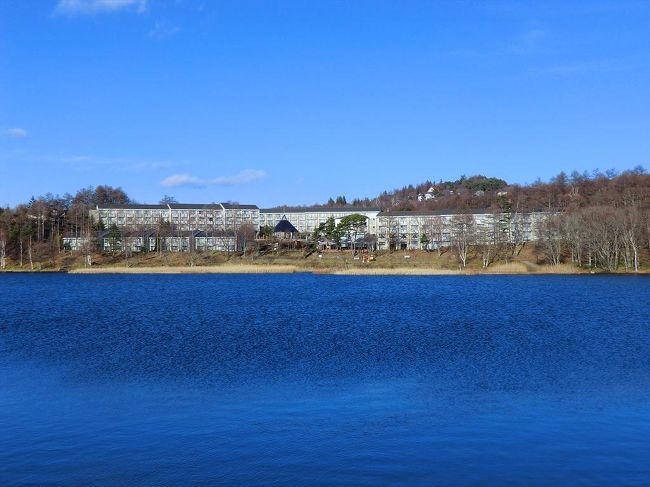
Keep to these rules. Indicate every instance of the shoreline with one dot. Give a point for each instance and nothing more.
(266, 270)
(335, 265)
(399, 263)
(512, 269)
(212, 269)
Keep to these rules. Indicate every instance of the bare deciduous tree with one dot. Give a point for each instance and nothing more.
(632, 232)
(551, 238)
(463, 232)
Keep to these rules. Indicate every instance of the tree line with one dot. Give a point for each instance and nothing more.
(607, 237)
(33, 231)
(598, 220)
(594, 237)
(562, 192)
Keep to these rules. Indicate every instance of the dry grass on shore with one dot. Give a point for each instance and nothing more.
(509, 268)
(396, 271)
(558, 269)
(529, 268)
(214, 269)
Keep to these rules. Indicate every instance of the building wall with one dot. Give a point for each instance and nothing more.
(405, 230)
(172, 244)
(307, 220)
(130, 217)
(212, 219)
(75, 243)
(392, 229)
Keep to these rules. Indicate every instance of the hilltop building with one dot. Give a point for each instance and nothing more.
(429, 195)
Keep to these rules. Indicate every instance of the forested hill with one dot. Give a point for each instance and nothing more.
(562, 192)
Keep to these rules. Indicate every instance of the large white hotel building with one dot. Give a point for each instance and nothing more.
(396, 229)
(184, 217)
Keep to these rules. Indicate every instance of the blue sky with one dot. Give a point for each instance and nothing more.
(275, 102)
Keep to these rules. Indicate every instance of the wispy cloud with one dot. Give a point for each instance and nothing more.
(569, 69)
(89, 7)
(162, 30)
(588, 67)
(246, 176)
(534, 36)
(524, 44)
(89, 162)
(16, 133)
(531, 42)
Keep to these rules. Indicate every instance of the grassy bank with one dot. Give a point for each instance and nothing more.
(331, 262)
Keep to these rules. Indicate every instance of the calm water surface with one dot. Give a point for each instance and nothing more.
(324, 380)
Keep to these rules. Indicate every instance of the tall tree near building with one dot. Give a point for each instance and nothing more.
(489, 238)
(574, 232)
(245, 234)
(551, 238)
(3, 244)
(107, 195)
(392, 232)
(426, 232)
(351, 225)
(424, 241)
(606, 233)
(114, 237)
(328, 229)
(267, 231)
(439, 232)
(463, 228)
(168, 200)
(632, 228)
(5, 234)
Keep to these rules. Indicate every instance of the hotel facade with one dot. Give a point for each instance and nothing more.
(389, 229)
(216, 217)
(433, 229)
(306, 220)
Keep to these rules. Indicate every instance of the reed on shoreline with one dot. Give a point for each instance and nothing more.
(216, 269)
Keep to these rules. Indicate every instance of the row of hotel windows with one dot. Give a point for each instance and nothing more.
(305, 222)
(175, 213)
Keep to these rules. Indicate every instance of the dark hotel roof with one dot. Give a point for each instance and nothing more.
(436, 212)
(199, 206)
(132, 207)
(316, 209)
(179, 206)
(285, 226)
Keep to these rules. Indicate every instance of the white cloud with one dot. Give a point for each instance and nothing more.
(246, 176)
(16, 133)
(88, 7)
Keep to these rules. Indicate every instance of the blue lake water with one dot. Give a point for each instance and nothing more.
(324, 380)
